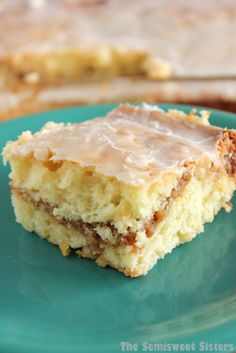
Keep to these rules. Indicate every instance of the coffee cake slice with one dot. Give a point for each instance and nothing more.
(124, 189)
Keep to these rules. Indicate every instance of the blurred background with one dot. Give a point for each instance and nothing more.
(58, 53)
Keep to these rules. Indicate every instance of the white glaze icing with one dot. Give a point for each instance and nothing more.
(196, 38)
(132, 144)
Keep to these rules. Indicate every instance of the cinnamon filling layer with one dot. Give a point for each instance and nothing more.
(227, 149)
(89, 229)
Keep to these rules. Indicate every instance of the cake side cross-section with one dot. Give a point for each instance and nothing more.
(124, 189)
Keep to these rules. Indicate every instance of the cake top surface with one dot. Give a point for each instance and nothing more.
(41, 26)
(133, 144)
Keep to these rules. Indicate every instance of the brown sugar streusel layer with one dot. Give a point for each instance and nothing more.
(88, 229)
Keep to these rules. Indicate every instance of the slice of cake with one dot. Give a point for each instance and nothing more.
(124, 189)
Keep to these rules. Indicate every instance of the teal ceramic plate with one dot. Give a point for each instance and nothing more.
(49, 303)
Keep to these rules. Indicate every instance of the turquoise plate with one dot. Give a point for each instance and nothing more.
(56, 304)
